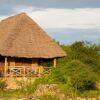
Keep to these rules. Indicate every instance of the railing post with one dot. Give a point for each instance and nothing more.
(24, 71)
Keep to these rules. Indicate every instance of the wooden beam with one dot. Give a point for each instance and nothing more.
(5, 67)
(55, 62)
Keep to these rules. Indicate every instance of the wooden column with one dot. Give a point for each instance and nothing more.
(39, 67)
(55, 62)
(5, 67)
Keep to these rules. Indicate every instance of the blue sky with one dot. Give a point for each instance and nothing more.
(65, 20)
(71, 35)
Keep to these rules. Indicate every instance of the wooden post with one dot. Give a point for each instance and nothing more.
(32, 66)
(55, 62)
(39, 67)
(5, 67)
(24, 74)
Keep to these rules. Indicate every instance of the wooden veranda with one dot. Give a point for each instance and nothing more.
(34, 70)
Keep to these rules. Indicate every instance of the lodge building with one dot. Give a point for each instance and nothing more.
(25, 46)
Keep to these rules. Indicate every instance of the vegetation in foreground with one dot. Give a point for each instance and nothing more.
(78, 74)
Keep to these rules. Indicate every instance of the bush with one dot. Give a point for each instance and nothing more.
(75, 74)
(3, 84)
(83, 85)
(81, 76)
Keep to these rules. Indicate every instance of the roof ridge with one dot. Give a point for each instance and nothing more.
(13, 16)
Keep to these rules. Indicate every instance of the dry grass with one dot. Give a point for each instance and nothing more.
(17, 82)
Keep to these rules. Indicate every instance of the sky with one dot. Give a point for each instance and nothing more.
(66, 21)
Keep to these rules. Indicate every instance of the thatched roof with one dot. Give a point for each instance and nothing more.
(20, 36)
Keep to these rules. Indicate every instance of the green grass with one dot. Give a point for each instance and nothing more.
(90, 94)
(48, 97)
(11, 94)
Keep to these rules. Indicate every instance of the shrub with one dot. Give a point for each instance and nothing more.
(75, 74)
(3, 84)
(81, 76)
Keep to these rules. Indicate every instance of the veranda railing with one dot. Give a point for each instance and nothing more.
(20, 71)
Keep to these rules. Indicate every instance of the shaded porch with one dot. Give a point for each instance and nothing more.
(24, 67)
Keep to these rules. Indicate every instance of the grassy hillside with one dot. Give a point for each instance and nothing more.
(77, 74)
(79, 71)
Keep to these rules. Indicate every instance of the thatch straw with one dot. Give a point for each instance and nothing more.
(20, 36)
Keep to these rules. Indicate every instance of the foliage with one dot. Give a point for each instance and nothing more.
(3, 84)
(11, 94)
(80, 69)
(85, 52)
(91, 93)
(48, 97)
(27, 86)
(75, 74)
(47, 62)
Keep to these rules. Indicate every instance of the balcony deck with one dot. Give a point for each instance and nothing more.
(22, 71)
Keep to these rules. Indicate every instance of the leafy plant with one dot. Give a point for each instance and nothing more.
(3, 84)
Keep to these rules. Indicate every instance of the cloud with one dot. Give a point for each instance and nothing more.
(80, 18)
(7, 6)
(65, 25)
(54, 3)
